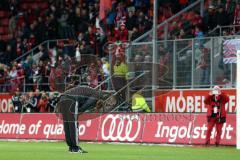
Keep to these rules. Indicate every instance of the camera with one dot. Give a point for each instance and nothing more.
(214, 92)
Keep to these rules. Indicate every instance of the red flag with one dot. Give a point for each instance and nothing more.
(105, 5)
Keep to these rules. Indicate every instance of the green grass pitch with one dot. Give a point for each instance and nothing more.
(58, 151)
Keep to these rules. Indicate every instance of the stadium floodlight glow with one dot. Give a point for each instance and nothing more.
(238, 101)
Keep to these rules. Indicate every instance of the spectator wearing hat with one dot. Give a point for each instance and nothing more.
(209, 18)
(121, 15)
(216, 113)
(122, 33)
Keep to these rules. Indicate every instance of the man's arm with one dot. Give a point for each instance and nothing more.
(208, 100)
(34, 104)
(89, 104)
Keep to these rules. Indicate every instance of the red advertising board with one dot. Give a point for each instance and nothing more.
(121, 127)
(6, 102)
(173, 128)
(189, 101)
(10, 125)
(186, 129)
(40, 126)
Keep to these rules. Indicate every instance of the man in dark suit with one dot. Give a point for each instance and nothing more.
(75, 101)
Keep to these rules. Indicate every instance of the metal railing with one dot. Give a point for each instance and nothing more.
(218, 30)
(34, 50)
(179, 64)
(124, 105)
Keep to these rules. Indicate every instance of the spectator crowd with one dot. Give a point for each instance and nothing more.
(33, 102)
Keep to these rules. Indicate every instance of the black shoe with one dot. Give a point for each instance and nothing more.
(82, 151)
(77, 150)
(73, 149)
(217, 144)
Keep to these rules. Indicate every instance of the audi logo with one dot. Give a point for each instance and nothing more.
(121, 127)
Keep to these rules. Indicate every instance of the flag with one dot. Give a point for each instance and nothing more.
(105, 5)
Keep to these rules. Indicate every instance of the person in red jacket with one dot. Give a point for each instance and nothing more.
(42, 105)
(216, 113)
(122, 33)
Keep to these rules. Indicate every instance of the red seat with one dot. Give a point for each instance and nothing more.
(1, 14)
(3, 30)
(4, 22)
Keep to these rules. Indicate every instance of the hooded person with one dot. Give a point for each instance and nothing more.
(216, 113)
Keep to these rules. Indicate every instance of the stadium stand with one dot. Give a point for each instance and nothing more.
(25, 24)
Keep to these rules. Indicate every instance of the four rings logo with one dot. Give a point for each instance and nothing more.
(121, 127)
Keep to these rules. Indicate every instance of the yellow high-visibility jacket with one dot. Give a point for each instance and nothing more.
(139, 103)
(121, 70)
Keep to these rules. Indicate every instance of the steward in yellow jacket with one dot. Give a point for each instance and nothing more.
(139, 103)
(120, 69)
